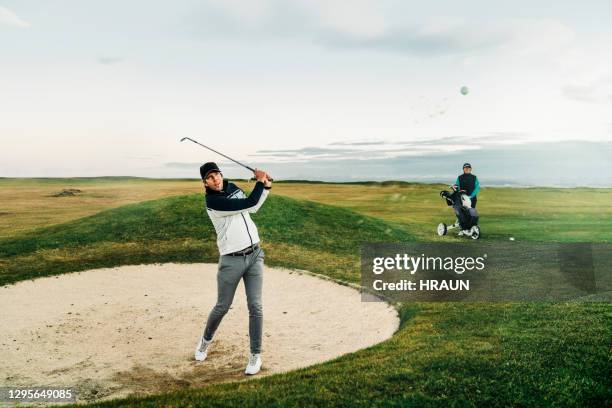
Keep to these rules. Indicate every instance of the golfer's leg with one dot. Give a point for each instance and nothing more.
(474, 202)
(228, 275)
(253, 283)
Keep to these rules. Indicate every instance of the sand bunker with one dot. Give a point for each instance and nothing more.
(119, 331)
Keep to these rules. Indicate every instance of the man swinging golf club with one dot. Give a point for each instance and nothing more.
(240, 255)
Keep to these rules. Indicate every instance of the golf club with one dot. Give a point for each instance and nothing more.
(221, 154)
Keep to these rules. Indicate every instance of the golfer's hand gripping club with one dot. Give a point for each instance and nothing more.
(260, 175)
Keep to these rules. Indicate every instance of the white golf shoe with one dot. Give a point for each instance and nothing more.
(202, 349)
(254, 364)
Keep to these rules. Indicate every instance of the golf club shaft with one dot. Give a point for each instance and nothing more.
(221, 154)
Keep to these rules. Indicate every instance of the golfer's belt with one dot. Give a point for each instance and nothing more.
(246, 251)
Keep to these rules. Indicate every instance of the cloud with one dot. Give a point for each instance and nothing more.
(455, 36)
(536, 163)
(423, 40)
(374, 25)
(380, 142)
(583, 93)
(595, 92)
(144, 158)
(10, 19)
(360, 150)
(179, 165)
(110, 60)
(309, 151)
(191, 166)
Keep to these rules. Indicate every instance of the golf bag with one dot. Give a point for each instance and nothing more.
(466, 215)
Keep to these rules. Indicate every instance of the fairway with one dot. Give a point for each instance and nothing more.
(493, 354)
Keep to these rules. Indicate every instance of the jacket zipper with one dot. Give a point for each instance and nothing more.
(247, 228)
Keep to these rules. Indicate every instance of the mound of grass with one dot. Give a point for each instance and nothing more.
(300, 234)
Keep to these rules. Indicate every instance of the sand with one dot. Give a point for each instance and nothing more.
(133, 330)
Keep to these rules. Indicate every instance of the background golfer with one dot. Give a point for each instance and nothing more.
(469, 183)
(240, 255)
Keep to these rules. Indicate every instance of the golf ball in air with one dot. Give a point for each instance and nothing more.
(464, 90)
(511, 238)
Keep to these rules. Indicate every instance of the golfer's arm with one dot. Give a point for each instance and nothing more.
(223, 206)
(476, 188)
(263, 197)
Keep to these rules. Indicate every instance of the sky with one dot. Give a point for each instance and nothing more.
(102, 88)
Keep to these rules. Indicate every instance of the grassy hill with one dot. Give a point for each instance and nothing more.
(299, 234)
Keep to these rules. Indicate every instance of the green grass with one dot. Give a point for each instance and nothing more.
(177, 229)
(532, 214)
(445, 354)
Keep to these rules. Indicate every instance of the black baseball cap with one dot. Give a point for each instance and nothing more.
(467, 165)
(207, 168)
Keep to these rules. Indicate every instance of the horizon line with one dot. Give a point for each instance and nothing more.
(306, 181)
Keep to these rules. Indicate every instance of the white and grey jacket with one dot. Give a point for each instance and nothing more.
(229, 211)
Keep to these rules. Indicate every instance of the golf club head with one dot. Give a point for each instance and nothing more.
(183, 139)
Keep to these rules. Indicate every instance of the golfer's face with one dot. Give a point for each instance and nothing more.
(467, 170)
(214, 181)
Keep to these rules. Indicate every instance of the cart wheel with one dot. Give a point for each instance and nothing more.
(441, 229)
(475, 232)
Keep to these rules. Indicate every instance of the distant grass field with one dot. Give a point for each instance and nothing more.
(445, 354)
(28, 203)
(546, 214)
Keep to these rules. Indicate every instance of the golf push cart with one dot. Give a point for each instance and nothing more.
(467, 217)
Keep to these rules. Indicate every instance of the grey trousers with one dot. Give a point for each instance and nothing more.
(231, 270)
